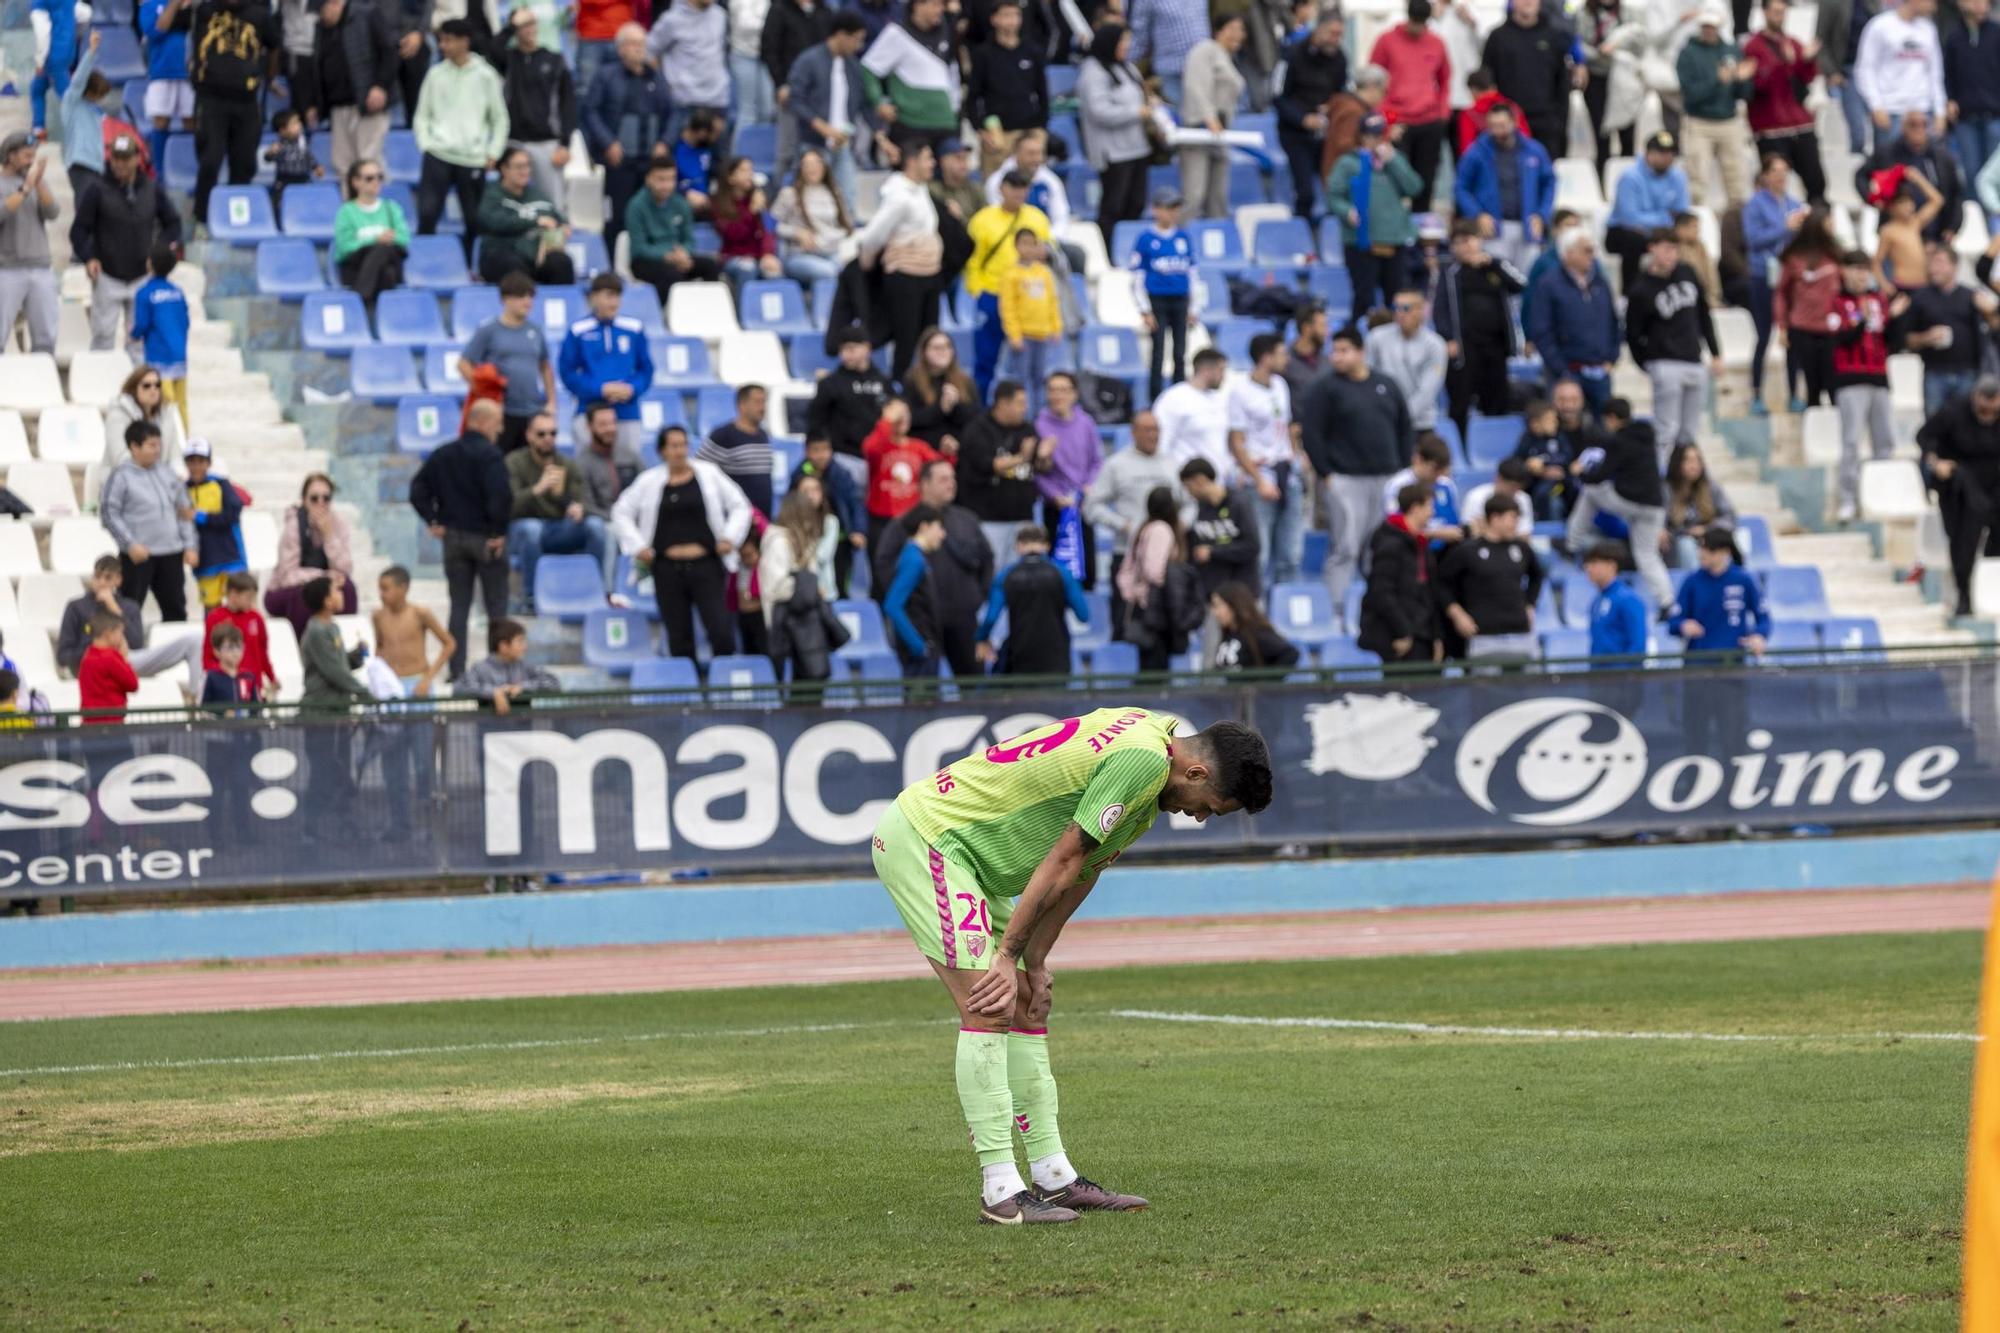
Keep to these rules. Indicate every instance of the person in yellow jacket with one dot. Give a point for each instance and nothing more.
(1030, 315)
(992, 231)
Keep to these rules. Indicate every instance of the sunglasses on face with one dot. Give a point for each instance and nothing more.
(1408, 305)
(149, 384)
(367, 176)
(318, 498)
(541, 435)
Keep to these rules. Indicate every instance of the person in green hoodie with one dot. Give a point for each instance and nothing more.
(371, 237)
(461, 126)
(1370, 190)
(522, 231)
(660, 227)
(1715, 82)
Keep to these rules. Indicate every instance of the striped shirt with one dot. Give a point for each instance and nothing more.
(739, 452)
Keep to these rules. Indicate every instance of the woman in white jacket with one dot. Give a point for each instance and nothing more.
(140, 398)
(683, 520)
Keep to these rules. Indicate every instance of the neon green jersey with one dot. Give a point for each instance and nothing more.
(998, 813)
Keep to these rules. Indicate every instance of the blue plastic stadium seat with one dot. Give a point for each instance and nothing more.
(1264, 123)
(1098, 631)
(714, 405)
(642, 303)
(334, 322)
(1115, 658)
(402, 160)
(1219, 242)
(1796, 592)
(424, 423)
(682, 362)
(441, 368)
(471, 307)
(808, 359)
(383, 374)
(1333, 287)
(106, 13)
(1065, 128)
(1303, 613)
(1124, 236)
(1491, 439)
(119, 58)
(556, 308)
(180, 166)
(1081, 184)
(405, 198)
(408, 319)
(241, 214)
(133, 98)
(307, 212)
(1793, 643)
(865, 631)
(1578, 592)
(1753, 539)
(774, 305)
(1851, 638)
(676, 675)
(436, 263)
(1062, 80)
(1248, 183)
(587, 253)
(707, 240)
(1447, 430)
(660, 408)
(568, 587)
(616, 640)
(1312, 560)
(288, 269)
(1565, 645)
(1162, 177)
(1108, 350)
(759, 143)
(1284, 242)
(1331, 250)
(1232, 337)
(1341, 651)
(742, 679)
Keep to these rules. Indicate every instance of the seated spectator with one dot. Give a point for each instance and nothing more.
(1489, 585)
(802, 541)
(1223, 541)
(1430, 465)
(548, 516)
(143, 397)
(505, 678)
(1399, 610)
(1031, 318)
(1621, 478)
(1649, 196)
(661, 226)
(1510, 482)
(313, 542)
(105, 679)
(1961, 454)
(683, 520)
(239, 611)
(1544, 455)
(943, 400)
(1721, 607)
(813, 221)
(1507, 185)
(749, 250)
(1152, 623)
(1033, 592)
(403, 629)
(145, 509)
(292, 159)
(1696, 502)
(908, 604)
(1618, 619)
(606, 358)
(371, 237)
(159, 332)
(694, 154)
(520, 229)
(741, 447)
(1245, 636)
(516, 347)
(218, 511)
(997, 465)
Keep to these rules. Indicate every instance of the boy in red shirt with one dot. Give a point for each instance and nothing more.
(239, 608)
(105, 679)
(896, 459)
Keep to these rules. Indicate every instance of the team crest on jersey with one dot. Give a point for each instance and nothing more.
(1109, 819)
(975, 945)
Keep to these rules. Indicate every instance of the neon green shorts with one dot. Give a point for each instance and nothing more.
(954, 922)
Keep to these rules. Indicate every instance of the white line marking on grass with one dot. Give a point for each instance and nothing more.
(1567, 1034)
(390, 1053)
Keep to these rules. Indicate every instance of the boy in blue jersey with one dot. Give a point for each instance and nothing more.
(1164, 258)
(1430, 464)
(169, 94)
(694, 157)
(1617, 613)
(160, 327)
(58, 18)
(1721, 607)
(605, 358)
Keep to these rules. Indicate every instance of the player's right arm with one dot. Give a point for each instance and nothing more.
(1053, 879)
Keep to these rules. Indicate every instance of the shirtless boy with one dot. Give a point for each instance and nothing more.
(401, 629)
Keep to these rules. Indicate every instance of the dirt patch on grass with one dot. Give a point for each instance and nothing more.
(30, 1125)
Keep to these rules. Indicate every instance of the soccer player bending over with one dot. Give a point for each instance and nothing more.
(988, 857)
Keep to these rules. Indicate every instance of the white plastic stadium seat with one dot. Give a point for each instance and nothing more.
(31, 384)
(64, 696)
(356, 631)
(34, 655)
(1821, 436)
(42, 597)
(1906, 381)
(1578, 187)
(44, 487)
(96, 377)
(13, 438)
(1738, 336)
(1086, 237)
(286, 664)
(18, 552)
(76, 543)
(1986, 589)
(260, 539)
(1249, 215)
(1614, 167)
(1116, 305)
(10, 610)
(71, 435)
(1892, 488)
(704, 310)
(751, 358)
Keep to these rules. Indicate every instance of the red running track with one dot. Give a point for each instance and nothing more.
(380, 979)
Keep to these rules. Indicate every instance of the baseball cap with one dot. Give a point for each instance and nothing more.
(17, 140)
(1375, 125)
(950, 146)
(124, 146)
(1662, 142)
(1711, 16)
(198, 447)
(1167, 197)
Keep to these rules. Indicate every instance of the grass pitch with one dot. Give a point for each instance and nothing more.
(696, 1159)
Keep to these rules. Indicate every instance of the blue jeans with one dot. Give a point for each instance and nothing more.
(1029, 363)
(590, 56)
(808, 269)
(1975, 139)
(1941, 386)
(756, 100)
(1855, 111)
(529, 539)
(1281, 526)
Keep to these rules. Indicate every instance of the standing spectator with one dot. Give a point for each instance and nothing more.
(661, 226)
(1411, 356)
(1163, 256)
(1194, 415)
(1622, 479)
(943, 400)
(1961, 454)
(605, 357)
(1489, 584)
(1399, 611)
(1861, 373)
(1222, 541)
(239, 611)
(792, 28)
(1112, 104)
(540, 97)
(1618, 619)
(461, 127)
(1163, 35)
(1347, 110)
(994, 256)
(118, 221)
(684, 519)
(600, 29)
(1649, 196)
(954, 188)
(548, 517)
(1006, 86)
(1034, 593)
(1031, 316)
(1944, 327)
(218, 511)
(1474, 319)
(371, 237)
(689, 42)
(102, 596)
(1245, 637)
(1919, 153)
(1770, 220)
(1071, 456)
(802, 630)
(1430, 463)
(1315, 70)
(1263, 442)
(462, 495)
(27, 207)
(847, 403)
(55, 33)
(813, 221)
(1696, 502)
(1463, 33)
(1899, 67)
(911, 75)
(1210, 89)
(159, 331)
(230, 46)
(146, 511)
(749, 248)
(1529, 58)
(1613, 42)
(1307, 353)
(1507, 185)
(169, 96)
(517, 348)
(143, 398)
(1355, 430)
(1576, 319)
(1715, 78)
(1721, 608)
(354, 67)
(1783, 127)
(1153, 622)
(754, 88)
(1544, 457)
(908, 605)
(1972, 85)
(1667, 323)
(1802, 305)
(903, 241)
(997, 462)
(313, 542)
(961, 567)
(1419, 97)
(291, 157)
(1117, 499)
(403, 632)
(330, 687)
(624, 121)
(742, 448)
(607, 460)
(824, 97)
(1369, 191)
(521, 229)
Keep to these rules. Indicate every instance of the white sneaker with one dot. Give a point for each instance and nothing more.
(1847, 512)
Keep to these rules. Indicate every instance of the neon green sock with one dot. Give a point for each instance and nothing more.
(1034, 1090)
(982, 1092)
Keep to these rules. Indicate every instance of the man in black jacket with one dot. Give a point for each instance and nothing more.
(1399, 613)
(118, 221)
(1528, 56)
(1223, 541)
(1489, 585)
(1944, 327)
(1355, 429)
(1961, 444)
(1315, 69)
(791, 28)
(541, 104)
(354, 68)
(229, 49)
(996, 467)
(1621, 477)
(1006, 86)
(462, 496)
(961, 568)
(1036, 594)
(847, 403)
(1473, 317)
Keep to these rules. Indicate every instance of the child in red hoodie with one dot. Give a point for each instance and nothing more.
(896, 460)
(1859, 322)
(239, 608)
(105, 679)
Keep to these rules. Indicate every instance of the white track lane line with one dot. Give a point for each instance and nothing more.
(1566, 1034)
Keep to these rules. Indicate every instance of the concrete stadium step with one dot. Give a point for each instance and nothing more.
(1825, 548)
(246, 437)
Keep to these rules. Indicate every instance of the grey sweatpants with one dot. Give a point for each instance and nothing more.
(1678, 390)
(1353, 512)
(109, 298)
(157, 658)
(1861, 405)
(32, 289)
(1645, 521)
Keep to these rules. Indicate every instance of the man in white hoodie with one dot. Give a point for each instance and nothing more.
(1900, 67)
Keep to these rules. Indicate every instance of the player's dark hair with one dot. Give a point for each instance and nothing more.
(1240, 762)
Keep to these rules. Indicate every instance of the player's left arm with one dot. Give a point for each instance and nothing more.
(1058, 872)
